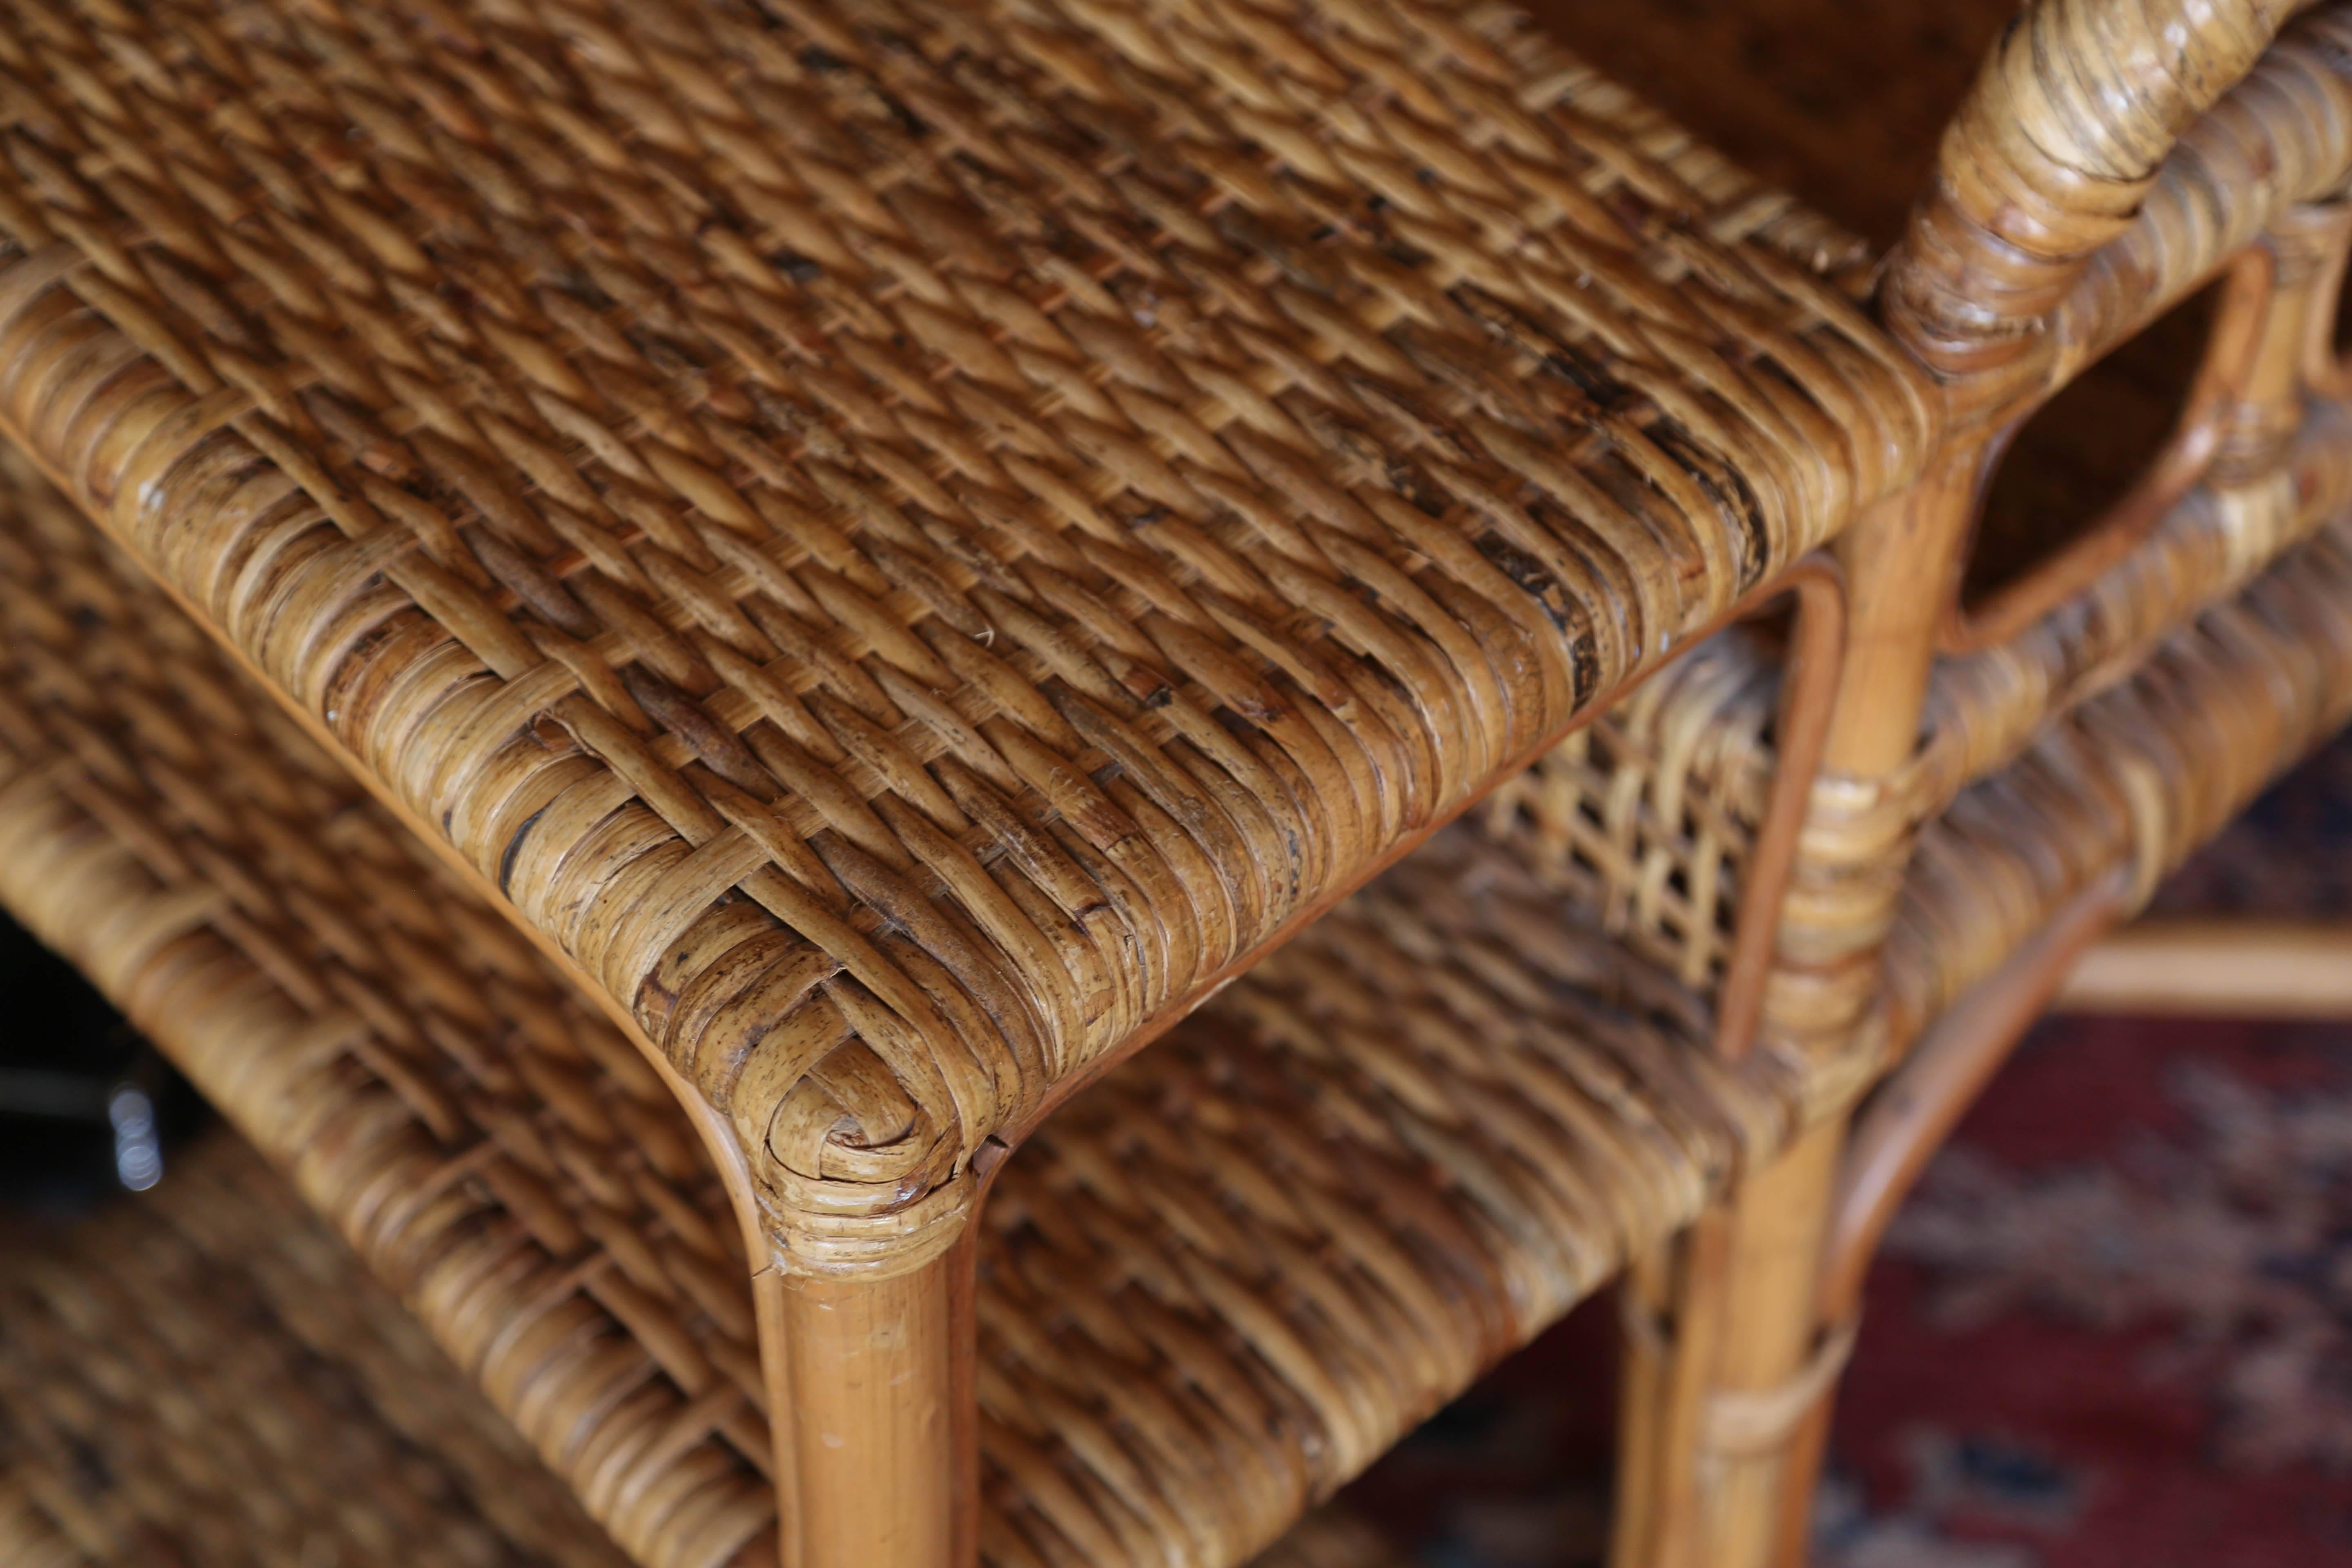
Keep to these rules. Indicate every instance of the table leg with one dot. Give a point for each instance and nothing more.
(870, 1402)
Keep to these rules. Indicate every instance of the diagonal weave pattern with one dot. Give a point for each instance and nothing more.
(1216, 1286)
(909, 537)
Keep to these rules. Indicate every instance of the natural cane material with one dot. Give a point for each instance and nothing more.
(908, 540)
(203, 1375)
(169, 855)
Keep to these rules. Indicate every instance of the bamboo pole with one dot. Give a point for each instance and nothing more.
(2242, 969)
(1747, 1325)
(863, 1400)
(1767, 1335)
(1670, 1298)
(1903, 1126)
(1901, 560)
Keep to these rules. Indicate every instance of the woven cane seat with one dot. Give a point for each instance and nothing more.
(1005, 509)
(286, 1411)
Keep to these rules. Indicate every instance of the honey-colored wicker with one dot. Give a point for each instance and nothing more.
(1648, 813)
(1226, 1279)
(2111, 161)
(285, 1411)
(905, 592)
(2132, 781)
(905, 545)
(202, 1375)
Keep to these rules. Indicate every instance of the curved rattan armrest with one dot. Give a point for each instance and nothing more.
(2025, 266)
(2049, 158)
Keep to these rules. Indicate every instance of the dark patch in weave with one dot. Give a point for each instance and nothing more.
(513, 851)
(1585, 373)
(1726, 486)
(1529, 574)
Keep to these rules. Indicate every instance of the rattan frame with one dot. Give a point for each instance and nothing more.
(2109, 161)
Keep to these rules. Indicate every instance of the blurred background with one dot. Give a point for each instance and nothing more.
(2114, 1327)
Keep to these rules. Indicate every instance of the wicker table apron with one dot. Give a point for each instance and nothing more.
(906, 544)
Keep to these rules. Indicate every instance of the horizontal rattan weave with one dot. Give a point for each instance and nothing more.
(1217, 1285)
(205, 1375)
(2135, 779)
(909, 538)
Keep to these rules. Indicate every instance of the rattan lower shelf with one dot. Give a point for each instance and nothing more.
(205, 1375)
(1212, 1289)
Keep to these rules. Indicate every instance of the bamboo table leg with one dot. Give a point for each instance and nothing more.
(1902, 1127)
(1743, 1343)
(1695, 1489)
(868, 1405)
(1768, 1340)
(1664, 1392)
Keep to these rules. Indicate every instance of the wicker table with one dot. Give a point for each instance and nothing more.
(902, 594)
(1210, 1291)
(904, 545)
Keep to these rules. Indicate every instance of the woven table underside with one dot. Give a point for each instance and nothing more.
(1216, 1286)
(202, 1375)
(907, 536)
(205, 1375)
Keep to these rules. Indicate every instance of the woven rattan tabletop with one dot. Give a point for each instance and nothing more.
(910, 540)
